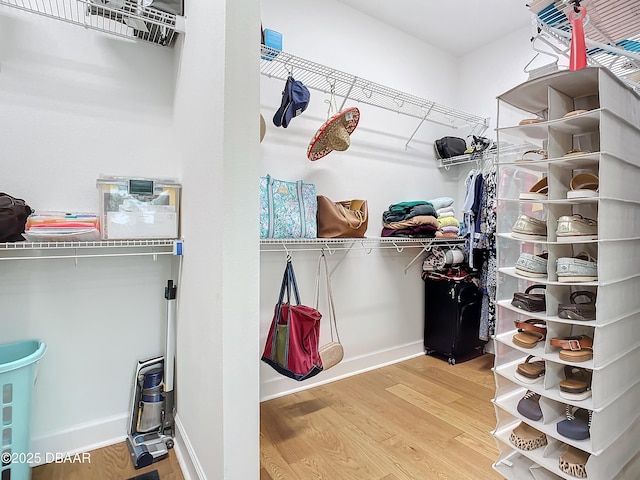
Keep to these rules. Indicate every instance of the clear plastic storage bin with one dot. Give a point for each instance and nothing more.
(137, 208)
(17, 377)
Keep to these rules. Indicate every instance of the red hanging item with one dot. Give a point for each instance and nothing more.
(292, 343)
(578, 59)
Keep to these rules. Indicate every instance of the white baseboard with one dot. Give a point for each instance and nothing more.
(279, 386)
(81, 438)
(189, 464)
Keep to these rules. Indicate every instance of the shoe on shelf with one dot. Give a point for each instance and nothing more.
(575, 153)
(573, 462)
(578, 348)
(532, 155)
(577, 424)
(530, 332)
(529, 265)
(529, 228)
(584, 185)
(530, 302)
(530, 372)
(570, 227)
(581, 268)
(529, 406)
(579, 311)
(577, 383)
(525, 437)
(539, 191)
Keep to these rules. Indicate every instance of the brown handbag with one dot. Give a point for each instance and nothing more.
(346, 219)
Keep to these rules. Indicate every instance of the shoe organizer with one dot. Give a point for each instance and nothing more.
(598, 141)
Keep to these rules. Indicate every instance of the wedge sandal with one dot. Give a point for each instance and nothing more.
(530, 372)
(573, 462)
(577, 383)
(530, 332)
(578, 348)
(525, 437)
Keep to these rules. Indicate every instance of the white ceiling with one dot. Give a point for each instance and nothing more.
(456, 26)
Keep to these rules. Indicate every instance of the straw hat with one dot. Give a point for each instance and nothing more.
(334, 134)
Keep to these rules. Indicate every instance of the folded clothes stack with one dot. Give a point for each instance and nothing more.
(62, 227)
(448, 224)
(410, 219)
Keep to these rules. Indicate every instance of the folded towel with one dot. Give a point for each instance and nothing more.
(448, 222)
(446, 214)
(451, 229)
(442, 211)
(441, 202)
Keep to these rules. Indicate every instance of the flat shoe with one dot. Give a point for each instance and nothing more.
(574, 113)
(529, 406)
(577, 424)
(525, 437)
(573, 462)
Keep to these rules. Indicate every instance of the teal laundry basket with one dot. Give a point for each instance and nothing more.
(17, 377)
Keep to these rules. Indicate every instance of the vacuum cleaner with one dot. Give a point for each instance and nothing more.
(151, 420)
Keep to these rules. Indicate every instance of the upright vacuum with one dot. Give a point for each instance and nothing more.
(151, 421)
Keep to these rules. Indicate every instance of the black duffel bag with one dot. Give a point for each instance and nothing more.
(448, 147)
(13, 218)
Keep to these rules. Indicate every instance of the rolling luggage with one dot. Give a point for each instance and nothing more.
(452, 318)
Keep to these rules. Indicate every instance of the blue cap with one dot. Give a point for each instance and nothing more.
(295, 99)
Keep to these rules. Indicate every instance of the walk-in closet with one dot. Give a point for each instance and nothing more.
(473, 150)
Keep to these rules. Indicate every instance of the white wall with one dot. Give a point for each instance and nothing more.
(217, 120)
(74, 104)
(379, 307)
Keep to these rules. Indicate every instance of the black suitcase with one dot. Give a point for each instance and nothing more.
(452, 318)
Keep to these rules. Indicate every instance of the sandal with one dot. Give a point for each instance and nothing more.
(542, 154)
(577, 424)
(525, 437)
(529, 406)
(573, 153)
(530, 121)
(579, 311)
(530, 372)
(577, 385)
(539, 191)
(578, 348)
(530, 332)
(574, 113)
(584, 185)
(573, 462)
(531, 302)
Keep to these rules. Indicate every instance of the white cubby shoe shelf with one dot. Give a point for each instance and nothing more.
(588, 124)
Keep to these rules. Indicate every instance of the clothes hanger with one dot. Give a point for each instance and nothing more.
(538, 53)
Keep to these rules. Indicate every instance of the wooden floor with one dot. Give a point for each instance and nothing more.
(420, 419)
(109, 463)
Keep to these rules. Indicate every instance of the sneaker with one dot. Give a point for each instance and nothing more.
(582, 268)
(529, 265)
(529, 228)
(570, 227)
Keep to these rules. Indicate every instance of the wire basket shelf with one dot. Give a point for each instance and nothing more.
(278, 64)
(122, 18)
